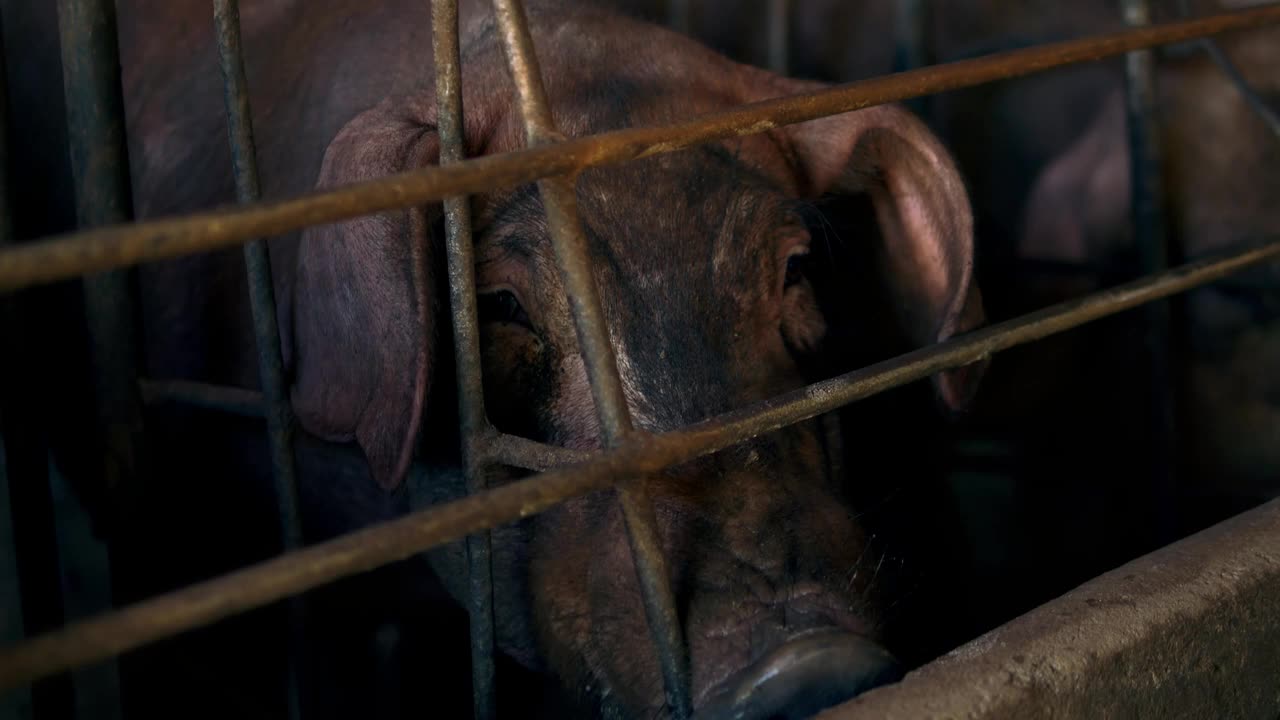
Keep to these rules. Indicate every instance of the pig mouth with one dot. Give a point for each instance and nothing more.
(810, 672)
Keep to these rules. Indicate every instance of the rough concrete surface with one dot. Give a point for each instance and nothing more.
(1189, 631)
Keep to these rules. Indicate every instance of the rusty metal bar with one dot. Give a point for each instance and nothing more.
(65, 256)
(36, 593)
(15, 704)
(279, 415)
(779, 29)
(204, 603)
(266, 330)
(521, 452)
(1191, 630)
(1152, 239)
(1259, 106)
(680, 15)
(474, 423)
(913, 19)
(100, 168)
(572, 256)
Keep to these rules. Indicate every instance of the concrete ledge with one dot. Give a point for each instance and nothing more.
(1189, 631)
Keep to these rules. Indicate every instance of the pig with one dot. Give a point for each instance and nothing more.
(717, 281)
(1222, 173)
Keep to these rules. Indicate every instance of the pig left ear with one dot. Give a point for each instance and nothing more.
(924, 215)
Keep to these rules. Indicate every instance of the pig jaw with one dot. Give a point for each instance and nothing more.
(761, 560)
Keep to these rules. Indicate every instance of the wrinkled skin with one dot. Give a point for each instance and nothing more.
(1072, 493)
(700, 257)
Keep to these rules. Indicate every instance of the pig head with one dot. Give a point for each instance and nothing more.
(707, 264)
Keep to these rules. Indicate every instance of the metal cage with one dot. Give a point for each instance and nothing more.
(971, 681)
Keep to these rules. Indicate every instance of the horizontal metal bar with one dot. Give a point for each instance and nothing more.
(524, 453)
(65, 256)
(1191, 630)
(223, 398)
(364, 550)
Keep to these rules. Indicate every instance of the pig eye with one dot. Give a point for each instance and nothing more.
(501, 306)
(797, 266)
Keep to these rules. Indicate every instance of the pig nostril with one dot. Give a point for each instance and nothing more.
(803, 676)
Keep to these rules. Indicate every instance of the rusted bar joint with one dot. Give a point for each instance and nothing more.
(64, 256)
(572, 255)
(474, 424)
(528, 454)
(199, 605)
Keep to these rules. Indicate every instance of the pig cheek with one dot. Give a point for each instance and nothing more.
(573, 412)
(589, 617)
(803, 327)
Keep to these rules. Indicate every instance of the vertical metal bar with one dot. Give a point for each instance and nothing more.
(913, 19)
(262, 299)
(602, 368)
(779, 22)
(914, 47)
(99, 162)
(1151, 237)
(474, 424)
(100, 169)
(15, 704)
(679, 15)
(1268, 114)
(24, 476)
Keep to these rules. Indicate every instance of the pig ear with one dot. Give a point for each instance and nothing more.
(924, 215)
(363, 319)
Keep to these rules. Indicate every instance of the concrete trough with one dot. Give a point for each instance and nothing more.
(1189, 631)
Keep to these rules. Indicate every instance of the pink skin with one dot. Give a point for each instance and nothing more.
(697, 260)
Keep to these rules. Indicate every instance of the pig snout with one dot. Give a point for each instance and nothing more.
(808, 673)
(764, 561)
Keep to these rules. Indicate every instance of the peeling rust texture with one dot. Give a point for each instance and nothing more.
(65, 256)
(1189, 631)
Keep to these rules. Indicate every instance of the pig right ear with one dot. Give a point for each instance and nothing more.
(363, 320)
(924, 215)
